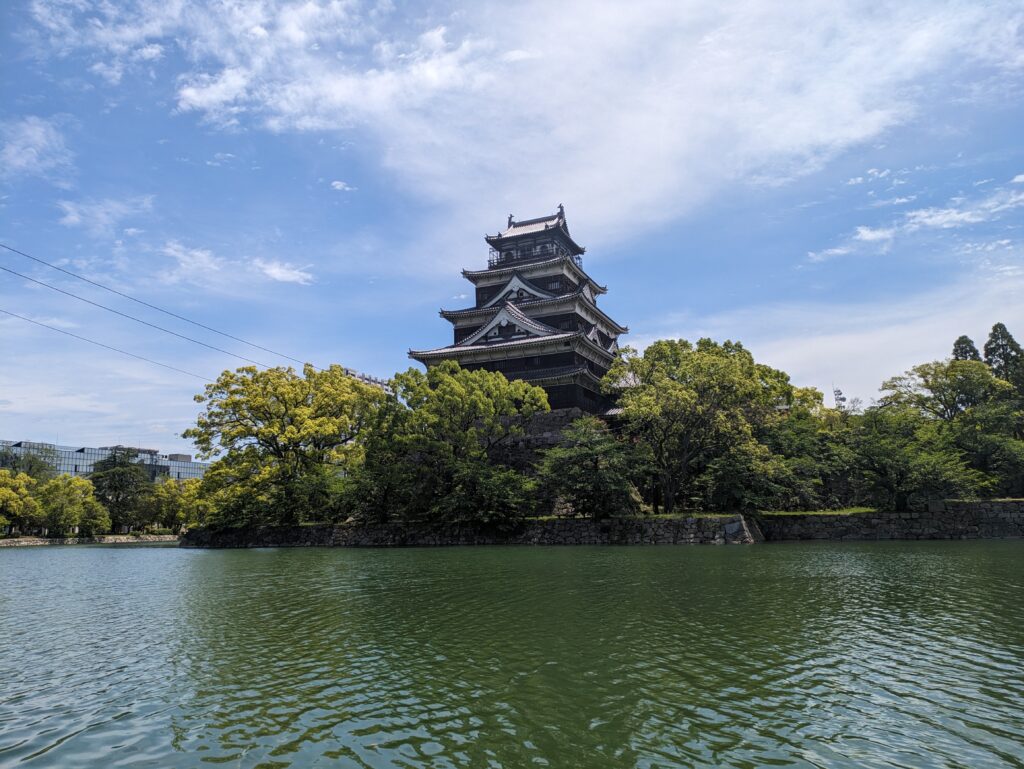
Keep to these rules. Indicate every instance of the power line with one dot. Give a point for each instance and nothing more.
(132, 317)
(105, 346)
(147, 304)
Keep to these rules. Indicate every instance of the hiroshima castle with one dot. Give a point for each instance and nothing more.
(535, 316)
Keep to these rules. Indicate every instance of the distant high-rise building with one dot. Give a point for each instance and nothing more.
(535, 316)
(80, 460)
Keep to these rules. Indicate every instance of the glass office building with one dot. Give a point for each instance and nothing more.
(80, 460)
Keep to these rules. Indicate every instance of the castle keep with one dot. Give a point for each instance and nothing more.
(535, 316)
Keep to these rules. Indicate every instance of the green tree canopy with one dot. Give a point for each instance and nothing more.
(691, 403)
(591, 471)
(69, 501)
(945, 389)
(176, 504)
(1003, 354)
(17, 505)
(964, 349)
(432, 452)
(280, 439)
(122, 486)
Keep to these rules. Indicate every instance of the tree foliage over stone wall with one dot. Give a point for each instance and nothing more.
(699, 426)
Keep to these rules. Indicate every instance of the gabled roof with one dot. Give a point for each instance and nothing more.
(457, 350)
(518, 229)
(509, 313)
(515, 283)
(453, 350)
(536, 304)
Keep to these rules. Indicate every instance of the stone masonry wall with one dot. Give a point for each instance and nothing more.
(730, 529)
(104, 539)
(954, 519)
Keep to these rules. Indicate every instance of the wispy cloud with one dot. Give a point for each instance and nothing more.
(542, 102)
(874, 235)
(284, 272)
(341, 186)
(192, 265)
(34, 146)
(855, 345)
(959, 212)
(103, 217)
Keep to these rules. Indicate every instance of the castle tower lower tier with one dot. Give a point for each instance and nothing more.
(536, 316)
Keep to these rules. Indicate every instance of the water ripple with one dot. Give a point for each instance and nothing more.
(878, 655)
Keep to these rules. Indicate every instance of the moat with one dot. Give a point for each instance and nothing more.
(887, 654)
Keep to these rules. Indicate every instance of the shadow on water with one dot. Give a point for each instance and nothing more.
(852, 655)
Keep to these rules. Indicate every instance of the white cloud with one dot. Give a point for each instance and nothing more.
(342, 186)
(283, 271)
(856, 345)
(523, 106)
(828, 253)
(873, 235)
(33, 146)
(220, 159)
(965, 212)
(1018, 179)
(103, 217)
(960, 212)
(192, 265)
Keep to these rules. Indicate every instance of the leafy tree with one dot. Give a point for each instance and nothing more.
(177, 504)
(690, 403)
(1004, 355)
(38, 464)
(945, 389)
(431, 453)
(67, 502)
(964, 349)
(904, 460)
(122, 486)
(590, 470)
(272, 431)
(18, 508)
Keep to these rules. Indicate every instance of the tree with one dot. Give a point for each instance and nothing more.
(1004, 355)
(122, 487)
(689, 403)
(280, 440)
(904, 460)
(964, 349)
(432, 452)
(590, 470)
(945, 389)
(177, 504)
(18, 508)
(67, 502)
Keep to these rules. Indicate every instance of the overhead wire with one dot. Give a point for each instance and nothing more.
(105, 346)
(132, 317)
(149, 305)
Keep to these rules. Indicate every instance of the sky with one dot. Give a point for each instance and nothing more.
(839, 186)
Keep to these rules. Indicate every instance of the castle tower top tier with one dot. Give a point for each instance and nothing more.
(532, 240)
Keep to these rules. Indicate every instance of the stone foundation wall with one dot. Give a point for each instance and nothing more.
(731, 529)
(104, 539)
(952, 519)
(541, 431)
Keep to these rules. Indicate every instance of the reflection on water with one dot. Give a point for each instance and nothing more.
(853, 655)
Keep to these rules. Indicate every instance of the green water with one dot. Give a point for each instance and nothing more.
(824, 655)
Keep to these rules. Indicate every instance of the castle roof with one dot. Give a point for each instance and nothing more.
(554, 223)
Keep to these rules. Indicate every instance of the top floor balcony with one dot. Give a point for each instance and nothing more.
(526, 254)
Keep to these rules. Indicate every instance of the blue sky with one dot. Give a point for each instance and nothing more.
(840, 188)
